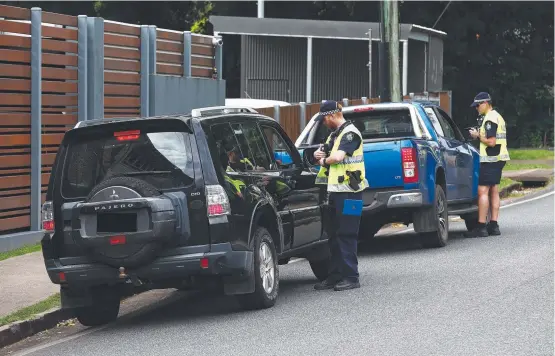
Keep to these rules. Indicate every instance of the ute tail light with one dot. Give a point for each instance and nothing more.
(48, 216)
(410, 165)
(216, 201)
(127, 135)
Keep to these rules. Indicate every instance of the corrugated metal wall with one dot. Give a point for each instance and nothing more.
(435, 64)
(417, 60)
(339, 69)
(273, 68)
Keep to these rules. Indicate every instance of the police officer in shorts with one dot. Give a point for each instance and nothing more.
(493, 157)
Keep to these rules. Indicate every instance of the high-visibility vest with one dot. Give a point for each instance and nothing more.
(336, 177)
(500, 138)
(237, 185)
(244, 161)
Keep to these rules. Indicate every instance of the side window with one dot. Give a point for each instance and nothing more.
(229, 150)
(322, 133)
(435, 122)
(252, 145)
(279, 149)
(447, 128)
(456, 132)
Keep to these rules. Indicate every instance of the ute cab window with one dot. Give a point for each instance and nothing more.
(375, 124)
(163, 159)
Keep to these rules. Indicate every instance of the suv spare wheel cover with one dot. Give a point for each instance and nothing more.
(117, 220)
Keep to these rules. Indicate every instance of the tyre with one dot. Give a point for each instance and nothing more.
(132, 254)
(266, 273)
(103, 310)
(368, 230)
(439, 237)
(320, 268)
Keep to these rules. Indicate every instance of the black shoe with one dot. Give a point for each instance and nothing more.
(493, 229)
(477, 232)
(325, 284)
(346, 285)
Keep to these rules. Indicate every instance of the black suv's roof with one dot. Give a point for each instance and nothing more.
(182, 117)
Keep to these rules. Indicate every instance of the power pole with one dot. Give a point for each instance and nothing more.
(383, 65)
(393, 32)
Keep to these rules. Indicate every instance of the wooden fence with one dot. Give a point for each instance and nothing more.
(53, 74)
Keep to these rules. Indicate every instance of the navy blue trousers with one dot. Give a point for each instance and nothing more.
(343, 238)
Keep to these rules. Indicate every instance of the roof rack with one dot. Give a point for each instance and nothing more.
(218, 110)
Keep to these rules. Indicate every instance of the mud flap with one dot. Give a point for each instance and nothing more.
(425, 220)
(241, 284)
(71, 299)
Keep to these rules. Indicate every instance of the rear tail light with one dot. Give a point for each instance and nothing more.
(217, 201)
(47, 217)
(127, 135)
(410, 165)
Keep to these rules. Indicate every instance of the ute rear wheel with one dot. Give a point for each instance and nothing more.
(266, 273)
(439, 237)
(320, 268)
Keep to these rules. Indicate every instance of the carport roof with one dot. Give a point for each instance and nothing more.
(312, 28)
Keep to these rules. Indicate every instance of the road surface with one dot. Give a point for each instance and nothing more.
(489, 296)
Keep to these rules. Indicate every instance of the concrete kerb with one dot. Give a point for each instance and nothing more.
(19, 330)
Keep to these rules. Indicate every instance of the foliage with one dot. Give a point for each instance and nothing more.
(200, 25)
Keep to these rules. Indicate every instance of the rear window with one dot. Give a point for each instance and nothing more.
(376, 124)
(163, 159)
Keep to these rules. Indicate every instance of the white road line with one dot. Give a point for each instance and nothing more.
(528, 200)
(502, 207)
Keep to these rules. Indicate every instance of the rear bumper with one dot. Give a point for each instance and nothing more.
(375, 201)
(222, 260)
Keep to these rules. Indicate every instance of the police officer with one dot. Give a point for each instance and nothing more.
(342, 171)
(493, 157)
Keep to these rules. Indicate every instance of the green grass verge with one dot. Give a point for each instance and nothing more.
(519, 167)
(530, 154)
(505, 182)
(20, 251)
(30, 311)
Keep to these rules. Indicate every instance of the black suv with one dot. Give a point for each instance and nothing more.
(216, 198)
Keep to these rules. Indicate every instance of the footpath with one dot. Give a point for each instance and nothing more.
(26, 292)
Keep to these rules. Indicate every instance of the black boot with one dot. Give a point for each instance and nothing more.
(326, 284)
(478, 231)
(493, 228)
(346, 285)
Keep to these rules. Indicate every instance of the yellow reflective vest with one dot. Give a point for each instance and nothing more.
(500, 138)
(336, 176)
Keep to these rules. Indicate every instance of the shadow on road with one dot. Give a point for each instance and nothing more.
(401, 243)
(190, 307)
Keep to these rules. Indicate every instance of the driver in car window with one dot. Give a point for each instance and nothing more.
(236, 162)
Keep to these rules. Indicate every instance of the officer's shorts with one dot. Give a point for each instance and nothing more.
(490, 173)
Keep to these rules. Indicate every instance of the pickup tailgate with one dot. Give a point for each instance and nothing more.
(383, 165)
(388, 145)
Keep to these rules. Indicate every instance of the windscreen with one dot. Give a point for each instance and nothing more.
(162, 159)
(376, 124)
